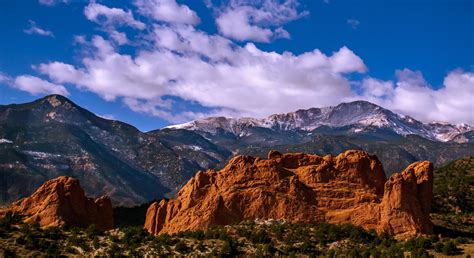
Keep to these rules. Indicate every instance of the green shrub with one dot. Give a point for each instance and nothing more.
(91, 231)
(54, 233)
(181, 247)
(462, 240)
(449, 248)
(216, 232)
(229, 249)
(419, 253)
(134, 236)
(260, 237)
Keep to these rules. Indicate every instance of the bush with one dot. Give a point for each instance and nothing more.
(419, 243)
(229, 249)
(438, 247)
(91, 231)
(394, 251)
(54, 233)
(164, 240)
(216, 232)
(419, 253)
(8, 220)
(260, 237)
(134, 236)
(450, 248)
(114, 250)
(306, 247)
(181, 247)
(462, 240)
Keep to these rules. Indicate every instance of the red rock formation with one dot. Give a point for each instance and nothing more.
(407, 198)
(61, 201)
(349, 188)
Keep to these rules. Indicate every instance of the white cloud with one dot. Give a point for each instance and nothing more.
(107, 16)
(176, 59)
(52, 2)
(353, 23)
(235, 24)
(281, 33)
(413, 96)
(255, 20)
(212, 71)
(375, 89)
(167, 11)
(35, 29)
(34, 85)
(79, 39)
(4, 78)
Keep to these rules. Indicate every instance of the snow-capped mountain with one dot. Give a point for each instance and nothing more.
(355, 117)
(53, 136)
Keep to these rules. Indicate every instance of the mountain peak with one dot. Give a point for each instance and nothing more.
(56, 100)
(359, 115)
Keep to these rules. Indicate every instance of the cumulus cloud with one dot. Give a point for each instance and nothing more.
(413, 96)
(110, 19)
(35, 86)
(111, 16)
(167, 11)
(257, 20)
(32, 84)
(212, 71)
(33, 28)
(175, 59)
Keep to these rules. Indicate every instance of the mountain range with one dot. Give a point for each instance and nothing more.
(358, 117)
(53, 136)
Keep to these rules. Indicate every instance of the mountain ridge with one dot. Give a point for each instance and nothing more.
(361, 115)
(53, 136)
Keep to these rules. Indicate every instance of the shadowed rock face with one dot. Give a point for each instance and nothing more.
(296, 187)
(61, 201)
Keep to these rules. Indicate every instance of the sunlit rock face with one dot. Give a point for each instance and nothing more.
(296, 187)
(60, 202)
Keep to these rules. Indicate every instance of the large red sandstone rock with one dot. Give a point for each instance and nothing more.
(349, 188)
(61, 201)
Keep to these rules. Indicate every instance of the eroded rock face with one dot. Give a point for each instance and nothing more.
(61, 201)
(406, 203)
(297, 187)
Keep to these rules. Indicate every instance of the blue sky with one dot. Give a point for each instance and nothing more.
(154, 63)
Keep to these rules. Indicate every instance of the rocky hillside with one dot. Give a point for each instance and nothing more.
(349, 188)
(53, 136)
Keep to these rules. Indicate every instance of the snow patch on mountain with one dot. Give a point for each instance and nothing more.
(359, 114)
(3, 140)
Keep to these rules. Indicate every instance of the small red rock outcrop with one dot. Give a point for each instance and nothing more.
(296, 187)
(61, 201)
